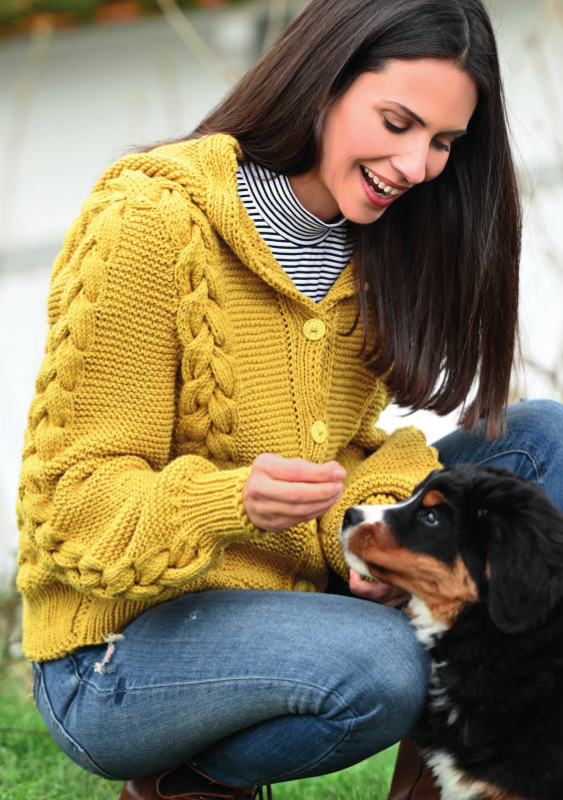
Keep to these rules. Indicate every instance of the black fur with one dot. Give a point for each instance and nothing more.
(495, 515)
(495, 701)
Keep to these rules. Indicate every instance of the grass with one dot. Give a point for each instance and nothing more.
(33, 768)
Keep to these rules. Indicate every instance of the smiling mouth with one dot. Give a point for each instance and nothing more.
(379, 186)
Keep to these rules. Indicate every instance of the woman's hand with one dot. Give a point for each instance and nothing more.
(376, 590)
(281, 492)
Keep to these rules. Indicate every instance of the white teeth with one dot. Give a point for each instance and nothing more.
(384, 187)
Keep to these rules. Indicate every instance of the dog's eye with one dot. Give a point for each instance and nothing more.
(430, 517)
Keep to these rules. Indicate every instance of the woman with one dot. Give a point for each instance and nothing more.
(208, 404)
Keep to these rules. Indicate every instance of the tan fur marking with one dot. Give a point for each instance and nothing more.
(445, 589)
(433, 498)
(491, 792)
(368, 536)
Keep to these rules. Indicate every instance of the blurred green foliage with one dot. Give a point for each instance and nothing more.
(25, 16)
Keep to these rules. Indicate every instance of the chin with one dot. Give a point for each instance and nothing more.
(364, 216)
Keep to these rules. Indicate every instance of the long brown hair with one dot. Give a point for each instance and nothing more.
(441, 265)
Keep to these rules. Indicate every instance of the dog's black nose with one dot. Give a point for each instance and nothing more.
(352, 517)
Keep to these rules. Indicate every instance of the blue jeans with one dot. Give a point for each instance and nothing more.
(260, 686)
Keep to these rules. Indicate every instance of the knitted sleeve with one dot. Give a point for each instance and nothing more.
(399, 463)
(102, 505)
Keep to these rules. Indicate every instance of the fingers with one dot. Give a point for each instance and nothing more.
(296, 494)
(282, 492)
(376, 591)
(298, 470)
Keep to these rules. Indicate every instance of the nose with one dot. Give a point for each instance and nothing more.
(353, 516)
(412, 161)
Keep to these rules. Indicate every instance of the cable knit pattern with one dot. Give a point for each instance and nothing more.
(178, 350)
(207, 401)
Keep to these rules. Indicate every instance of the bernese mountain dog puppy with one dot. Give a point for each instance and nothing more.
(480, 550)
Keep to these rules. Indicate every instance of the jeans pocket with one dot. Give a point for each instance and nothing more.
(59, 695)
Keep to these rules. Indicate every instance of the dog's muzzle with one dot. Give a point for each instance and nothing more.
(354, 516)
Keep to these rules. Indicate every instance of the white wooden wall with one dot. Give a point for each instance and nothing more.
(71, 103)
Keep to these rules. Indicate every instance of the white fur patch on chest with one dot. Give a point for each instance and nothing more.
(426, 627)
(453, 782)
(427, 631)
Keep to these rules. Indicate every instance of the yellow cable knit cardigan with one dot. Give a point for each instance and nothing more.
(178, 351)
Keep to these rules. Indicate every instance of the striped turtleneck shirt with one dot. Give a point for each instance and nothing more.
(312, 252)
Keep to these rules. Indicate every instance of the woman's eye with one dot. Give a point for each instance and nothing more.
(443, 146)
(393, 128)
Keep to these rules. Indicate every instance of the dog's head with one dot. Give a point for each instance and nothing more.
(468, 534)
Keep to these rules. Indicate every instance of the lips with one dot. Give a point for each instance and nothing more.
(380, 187)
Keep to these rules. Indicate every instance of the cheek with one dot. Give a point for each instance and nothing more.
(337, 167)
(347, 143)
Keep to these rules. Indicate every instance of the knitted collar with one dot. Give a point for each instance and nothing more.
(207, 169)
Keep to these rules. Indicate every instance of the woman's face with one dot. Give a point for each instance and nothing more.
(389, 131)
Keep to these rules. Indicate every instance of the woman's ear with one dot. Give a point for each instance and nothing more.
(525, 563)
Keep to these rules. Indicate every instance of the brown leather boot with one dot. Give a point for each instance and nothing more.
(186, 782)
(411, 779)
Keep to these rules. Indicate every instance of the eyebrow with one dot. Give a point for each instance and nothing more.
(420, 121)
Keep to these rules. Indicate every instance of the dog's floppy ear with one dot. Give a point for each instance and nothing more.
(525, 559)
